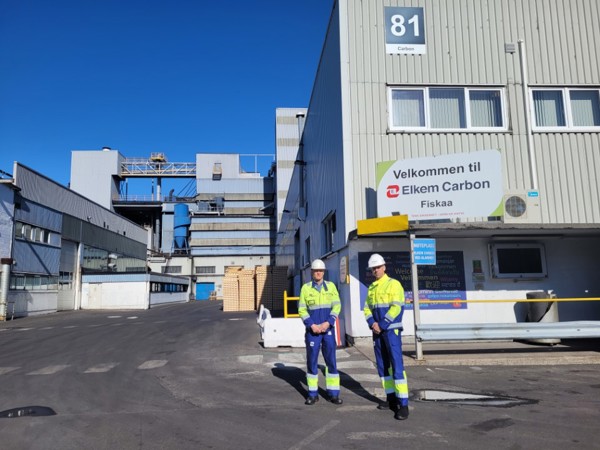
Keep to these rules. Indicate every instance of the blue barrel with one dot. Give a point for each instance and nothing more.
(181, 224)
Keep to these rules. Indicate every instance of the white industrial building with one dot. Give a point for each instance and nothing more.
(478, 120)
(228, 220)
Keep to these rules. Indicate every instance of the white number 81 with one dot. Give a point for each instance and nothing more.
(398, 28)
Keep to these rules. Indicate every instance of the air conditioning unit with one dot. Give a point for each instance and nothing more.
(522, 206)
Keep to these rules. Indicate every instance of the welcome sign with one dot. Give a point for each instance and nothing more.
(441, 187)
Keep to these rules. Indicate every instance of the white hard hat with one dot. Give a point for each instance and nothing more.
(376, 260)
(317, 264)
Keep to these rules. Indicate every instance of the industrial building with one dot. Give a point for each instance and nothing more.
(480, 121)
(62, 251)
(227, 221)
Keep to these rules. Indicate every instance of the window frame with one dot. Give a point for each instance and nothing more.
(496, 270)
(427, 128)
(566, 99)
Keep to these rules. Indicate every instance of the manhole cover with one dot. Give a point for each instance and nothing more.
(28, 411)
(467, 398)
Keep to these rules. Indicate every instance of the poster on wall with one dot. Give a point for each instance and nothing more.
(444, 281)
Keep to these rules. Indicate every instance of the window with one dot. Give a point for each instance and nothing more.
(562, 109)
(205, 269)
(32, 233)
(518, 260)
(446, 108)
(329, 227)
(171, 269)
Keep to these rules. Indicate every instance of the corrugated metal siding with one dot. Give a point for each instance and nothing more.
(465, 46)
(42, 190)
(287, 132)
(38, 215)
(323, 136)
(77, 230)
(6, 220)
(35, 258)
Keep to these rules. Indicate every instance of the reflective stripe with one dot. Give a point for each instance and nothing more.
(313, 382)
(332, 380)
(401, 387)
(388, 385)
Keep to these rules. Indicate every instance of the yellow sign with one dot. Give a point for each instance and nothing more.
(382, 225)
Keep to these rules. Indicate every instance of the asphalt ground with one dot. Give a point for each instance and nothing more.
(189, 376)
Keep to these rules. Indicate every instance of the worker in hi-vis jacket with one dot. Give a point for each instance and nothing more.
(383, 310)
(319, 306)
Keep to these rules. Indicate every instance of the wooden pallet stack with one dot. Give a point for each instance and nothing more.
(271, 281)
(231, 290)
(247, 289)
(247, 294)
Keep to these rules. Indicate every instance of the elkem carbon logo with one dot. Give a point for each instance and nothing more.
(393, 191)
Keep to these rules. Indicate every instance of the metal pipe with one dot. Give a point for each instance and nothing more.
(415, 289)
(526, 102)
(4, 285)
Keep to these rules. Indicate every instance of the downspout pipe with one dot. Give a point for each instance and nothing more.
(4, 285)
(527, 106)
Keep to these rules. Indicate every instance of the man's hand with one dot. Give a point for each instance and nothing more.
(376, 329)
(315, 328)
(325, 326)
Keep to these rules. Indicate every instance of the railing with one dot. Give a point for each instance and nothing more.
(145, 168)
(287, 299)
(517, 330)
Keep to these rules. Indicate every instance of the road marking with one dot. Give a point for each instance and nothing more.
(105, 367)
(355, 365)
(49, 370)
(362, 377)
(291, 357)
(244, 374)
(114, 317)
(71, 326)
(317, 434)
(152, 364)
(251, 359)
(4, 370)
(132, 317)
(342, 354)
(348, 408)
(47, 328)
(23, 329)
(364, 435)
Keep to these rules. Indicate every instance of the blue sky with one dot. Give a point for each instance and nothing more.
(140, 76)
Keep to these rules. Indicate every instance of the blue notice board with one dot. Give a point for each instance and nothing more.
(424, 252)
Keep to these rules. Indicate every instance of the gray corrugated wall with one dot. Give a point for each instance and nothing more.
(465, 46)
(80, 231)
(44, 191)
(323, 136)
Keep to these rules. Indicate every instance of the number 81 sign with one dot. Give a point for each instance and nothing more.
(404, 31)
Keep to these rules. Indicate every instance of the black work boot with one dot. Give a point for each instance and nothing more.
(311, 400)
(401, 413)
(336, 400)
(391, 402)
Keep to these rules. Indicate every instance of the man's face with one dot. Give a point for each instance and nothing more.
(318, 275)
(378, 271)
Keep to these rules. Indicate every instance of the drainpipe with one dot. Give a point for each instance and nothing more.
(526, 102)
(4, 285)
